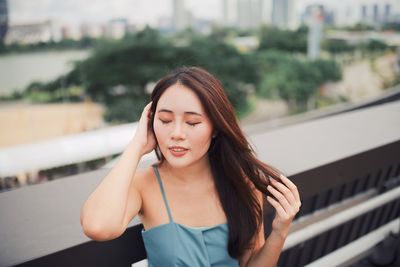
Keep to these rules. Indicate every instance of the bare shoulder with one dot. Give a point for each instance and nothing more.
(142, 178)
(136, 195)
(144, 182)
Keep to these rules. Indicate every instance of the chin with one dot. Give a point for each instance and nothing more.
(177, 163)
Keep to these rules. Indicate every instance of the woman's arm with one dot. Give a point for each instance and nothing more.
(268, 254)
(287, 204)
(106, 213)
(103, 212)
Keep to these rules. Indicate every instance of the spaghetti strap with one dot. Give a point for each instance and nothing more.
(162, 191)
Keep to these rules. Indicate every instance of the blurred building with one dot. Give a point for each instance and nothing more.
(203, 26)
(249, 13)
(117, 28)
(328, 14)
(71, 32)
(34, 32)
(92, 30)
(246, 14)
(3, 19)
(179, 15)
(315, 24)
(378, 12)
(165, 24)
(284, 14)
(131, 28)
(229, 12)
(348, 13)
(182, 18)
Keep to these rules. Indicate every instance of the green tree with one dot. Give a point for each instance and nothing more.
(394, 26)
(376, 45)
(336, 46)
(285, 40)
(293, 80)
(360, 27)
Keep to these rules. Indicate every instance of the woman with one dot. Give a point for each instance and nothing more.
(201, 204)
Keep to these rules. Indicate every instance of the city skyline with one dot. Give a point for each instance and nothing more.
(95, 11)
(141, 12)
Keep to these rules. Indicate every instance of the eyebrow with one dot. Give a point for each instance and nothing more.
(186, 112)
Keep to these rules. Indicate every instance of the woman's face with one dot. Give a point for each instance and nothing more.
(181, 126)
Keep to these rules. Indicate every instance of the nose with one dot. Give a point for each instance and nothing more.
(177, 132)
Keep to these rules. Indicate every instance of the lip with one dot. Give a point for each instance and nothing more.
(181, 147)
(176, 153)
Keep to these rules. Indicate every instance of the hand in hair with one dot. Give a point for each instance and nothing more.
(144, 136)
(286, 202)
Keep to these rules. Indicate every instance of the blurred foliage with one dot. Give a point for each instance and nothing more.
(3, 47)
(368, 48)
(336, 46)
(65, 44)
(37, 94)
(359, 27)
(324, 101)
(294, 79)
(285, 40)
(375, 45)
(392, 26)
(124, 109)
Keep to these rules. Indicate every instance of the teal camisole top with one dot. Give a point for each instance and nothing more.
(174, 244)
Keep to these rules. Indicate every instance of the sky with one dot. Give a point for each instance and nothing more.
(76, 11)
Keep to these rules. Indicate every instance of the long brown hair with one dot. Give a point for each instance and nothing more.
(234, 165)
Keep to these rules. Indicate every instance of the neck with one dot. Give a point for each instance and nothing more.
(199, 171)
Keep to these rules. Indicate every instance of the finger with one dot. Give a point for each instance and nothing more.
(281, 212)
(291, 186)
(147, 109)
(282, 200)
(285, 191)
(148, 105)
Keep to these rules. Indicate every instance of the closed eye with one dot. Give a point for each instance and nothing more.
(165, 122)
(189, 123)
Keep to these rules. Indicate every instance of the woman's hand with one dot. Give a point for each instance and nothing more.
(286, 203)
(144, 136)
